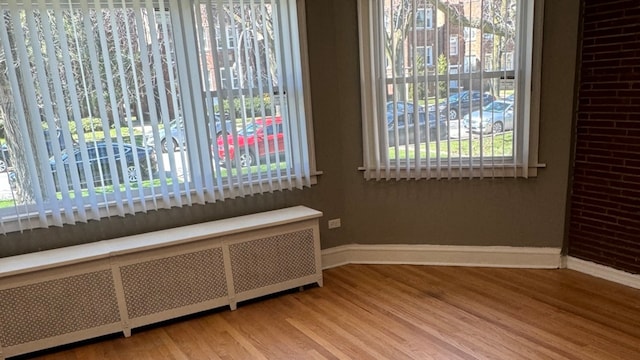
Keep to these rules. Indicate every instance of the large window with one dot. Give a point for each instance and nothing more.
(116, 107)
(469, 112)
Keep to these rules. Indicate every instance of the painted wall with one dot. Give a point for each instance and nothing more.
(605, 198)
(463, 212)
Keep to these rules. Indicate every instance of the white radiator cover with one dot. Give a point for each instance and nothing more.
(66, 295)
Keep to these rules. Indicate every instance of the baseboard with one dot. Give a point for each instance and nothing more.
(484, 256)
(603, 272)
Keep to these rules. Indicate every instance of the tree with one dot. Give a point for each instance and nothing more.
(56, 44)
(443, 69)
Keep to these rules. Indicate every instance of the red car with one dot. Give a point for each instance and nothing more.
(262, 137)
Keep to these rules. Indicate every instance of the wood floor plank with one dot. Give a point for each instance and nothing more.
(404, 312)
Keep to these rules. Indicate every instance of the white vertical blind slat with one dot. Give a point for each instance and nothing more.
(81, 214)
(164, 117)
(42, 85)
(32, 109)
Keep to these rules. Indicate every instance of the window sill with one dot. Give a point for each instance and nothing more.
(444, 172)
(151, 203)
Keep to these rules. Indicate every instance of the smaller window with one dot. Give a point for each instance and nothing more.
(470, 34)
(426, 53)
(235, 81)
(424, 18)
(231, 39)
(453, 45)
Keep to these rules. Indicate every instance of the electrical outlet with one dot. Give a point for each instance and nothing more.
(334, 223)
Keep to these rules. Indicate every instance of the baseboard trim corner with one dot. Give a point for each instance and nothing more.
(482, 256)
(603, 272)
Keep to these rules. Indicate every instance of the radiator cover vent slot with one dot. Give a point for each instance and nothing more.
(159, 285)
(272, 260)
(56, 307)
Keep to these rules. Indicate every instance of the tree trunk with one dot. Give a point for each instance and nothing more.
(20, 179)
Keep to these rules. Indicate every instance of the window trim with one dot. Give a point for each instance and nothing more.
(529, 70)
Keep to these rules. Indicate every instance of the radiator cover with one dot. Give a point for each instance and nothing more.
(65, 295)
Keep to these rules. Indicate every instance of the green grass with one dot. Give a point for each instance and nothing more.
(254, 170)
(488, 146)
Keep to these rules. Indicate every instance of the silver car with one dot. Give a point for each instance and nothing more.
(494, 118)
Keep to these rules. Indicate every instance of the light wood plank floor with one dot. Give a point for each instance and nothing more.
(405, 312)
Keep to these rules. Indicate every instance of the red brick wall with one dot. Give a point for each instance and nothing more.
(605, 198)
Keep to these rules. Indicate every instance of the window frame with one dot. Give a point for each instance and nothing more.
(428, 18)
(454, 45)
(528, 104)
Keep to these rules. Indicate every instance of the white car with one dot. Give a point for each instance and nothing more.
(494, 118)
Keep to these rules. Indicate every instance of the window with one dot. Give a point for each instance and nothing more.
(470, 34)
(467, 116)
(230, 39)
(146, 115)
(425, 54)
(424, 18)
(453, 45)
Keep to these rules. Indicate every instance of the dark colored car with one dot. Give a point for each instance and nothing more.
(98, 162)
(459, 104)
(178, 137)
(5, 163)
(60, 138)
(262, 137)
(402, 107)
(406, 128)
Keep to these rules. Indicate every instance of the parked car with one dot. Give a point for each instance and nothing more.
(493, 118)
(402, 107)
(178, 137)
(262, 137)
(98, 162)
(59, 137)
(461, 103)
(406, 128)
(5, 163)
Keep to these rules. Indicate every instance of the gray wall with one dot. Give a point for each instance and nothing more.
(463, 212)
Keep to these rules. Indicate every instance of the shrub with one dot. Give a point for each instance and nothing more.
(252, 107)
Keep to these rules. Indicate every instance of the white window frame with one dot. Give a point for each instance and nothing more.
(428, 18)
(524, 163)
(231, 39)
(453, 45)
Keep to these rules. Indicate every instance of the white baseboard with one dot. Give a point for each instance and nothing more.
(484, 256)
(603, 272)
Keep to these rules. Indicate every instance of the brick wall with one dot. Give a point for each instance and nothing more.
(605, 198)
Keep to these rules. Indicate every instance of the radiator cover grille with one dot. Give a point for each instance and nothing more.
(158, 285)
(57, 307)
(272, 260)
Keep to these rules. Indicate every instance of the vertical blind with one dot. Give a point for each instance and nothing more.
(446, 87)
(116, 107)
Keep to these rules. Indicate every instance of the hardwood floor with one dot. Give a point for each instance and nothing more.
(405, 312)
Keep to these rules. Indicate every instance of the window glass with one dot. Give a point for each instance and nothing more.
(478, 49)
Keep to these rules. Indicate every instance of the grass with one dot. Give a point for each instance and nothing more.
(487, 146)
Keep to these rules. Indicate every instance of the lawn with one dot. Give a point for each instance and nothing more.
(496, 145)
